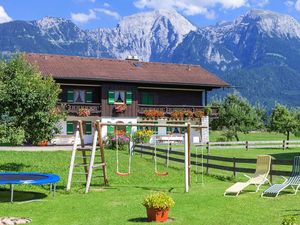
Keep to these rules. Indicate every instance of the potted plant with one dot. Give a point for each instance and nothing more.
(84, 112)
(158, 205)
(120, 108)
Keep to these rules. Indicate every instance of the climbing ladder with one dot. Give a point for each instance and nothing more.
(88, 156)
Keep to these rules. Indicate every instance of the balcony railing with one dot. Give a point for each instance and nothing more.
(168, 109)
(73, 108)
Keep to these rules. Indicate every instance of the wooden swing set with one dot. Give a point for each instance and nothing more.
(88, 160)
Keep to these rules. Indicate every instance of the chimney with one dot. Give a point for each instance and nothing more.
(132, 58)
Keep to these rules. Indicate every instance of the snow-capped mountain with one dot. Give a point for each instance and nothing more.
(258, 51)
(150, 35)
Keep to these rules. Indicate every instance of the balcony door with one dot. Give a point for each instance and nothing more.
(147, 98)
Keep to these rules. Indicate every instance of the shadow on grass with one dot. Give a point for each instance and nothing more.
(144, 220)
(21, 196)
(286, 155)
(13, 166)
(292, 212)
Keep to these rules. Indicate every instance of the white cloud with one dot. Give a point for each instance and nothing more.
(191, 7)
(86, 17)
(259, 3)
(109, 13)
(82, 17)
(106, 5)
(289, 3)
(3, 15)
(297, 5)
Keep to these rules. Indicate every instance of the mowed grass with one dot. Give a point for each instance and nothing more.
(120, 203)
(254, 136)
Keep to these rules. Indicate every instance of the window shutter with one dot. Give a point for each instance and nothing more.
(70, 96)
(128, 128)
(88, 96)
(88, 127)
(110, 129)
(111, 97)
(70, 127)
(169, 130)
(144, 98)
(129, 97)
(150, 100)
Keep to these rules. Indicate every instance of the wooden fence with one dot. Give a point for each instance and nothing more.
(284, 144)
(210, 161)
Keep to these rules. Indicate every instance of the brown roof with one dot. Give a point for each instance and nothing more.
(83, 68)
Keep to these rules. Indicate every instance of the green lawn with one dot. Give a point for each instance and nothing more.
(120, 203)
(254, 136)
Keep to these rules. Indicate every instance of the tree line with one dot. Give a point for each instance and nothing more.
(237, 115)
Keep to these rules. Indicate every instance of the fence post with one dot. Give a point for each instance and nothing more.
(247, 145)
(271, 171)
(234, 167)
(284, 145)
(207, 157)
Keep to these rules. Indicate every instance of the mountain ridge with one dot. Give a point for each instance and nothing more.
(242, 51)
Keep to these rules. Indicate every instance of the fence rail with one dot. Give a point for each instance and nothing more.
(284, 144)
(207, 164)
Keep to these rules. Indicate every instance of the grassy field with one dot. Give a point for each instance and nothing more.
(120, 203)
(254, 136)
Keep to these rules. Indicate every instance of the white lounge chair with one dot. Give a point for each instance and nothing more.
(259, 178)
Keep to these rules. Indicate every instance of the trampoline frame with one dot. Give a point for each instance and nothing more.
(50, 179)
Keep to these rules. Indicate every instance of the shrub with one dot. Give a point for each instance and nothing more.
(142, 136)
(158, 200)
(289, 220)
(123, 141)
(30, 98)
(10, 135)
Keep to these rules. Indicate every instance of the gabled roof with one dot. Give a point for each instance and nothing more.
(84, 68)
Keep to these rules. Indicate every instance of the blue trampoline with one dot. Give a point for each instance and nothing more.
(12, 178)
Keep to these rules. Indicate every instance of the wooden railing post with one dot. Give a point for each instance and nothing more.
(284, 144)
(271, 171)
(247, 145)
(207, 155)
(234, 167)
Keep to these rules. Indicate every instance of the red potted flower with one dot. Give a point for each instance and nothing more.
(158, 205)
(120, 108)
(84, 112)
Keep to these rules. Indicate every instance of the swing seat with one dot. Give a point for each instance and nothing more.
(122, 174)
(161, 174)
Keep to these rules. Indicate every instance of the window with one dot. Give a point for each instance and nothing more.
(119, 97)
(147, 98)
(87, 127)
(79, 96)
(175, 130)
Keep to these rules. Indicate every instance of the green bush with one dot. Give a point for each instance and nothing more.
(30, 98)
(158, 200)
(289, 220)
(10, 135)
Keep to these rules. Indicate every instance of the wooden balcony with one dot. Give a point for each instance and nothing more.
(73, 108)
(168, 109)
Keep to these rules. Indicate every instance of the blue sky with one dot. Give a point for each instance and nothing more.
(90, 14)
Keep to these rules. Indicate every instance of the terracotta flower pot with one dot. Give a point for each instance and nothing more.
(157, 215)
(42, 143)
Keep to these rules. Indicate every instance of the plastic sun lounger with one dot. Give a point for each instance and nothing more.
(293, 181)
(259, 178)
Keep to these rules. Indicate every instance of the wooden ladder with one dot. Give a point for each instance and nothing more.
(88, 156)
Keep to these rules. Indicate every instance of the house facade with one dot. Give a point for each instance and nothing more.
(129, 91)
